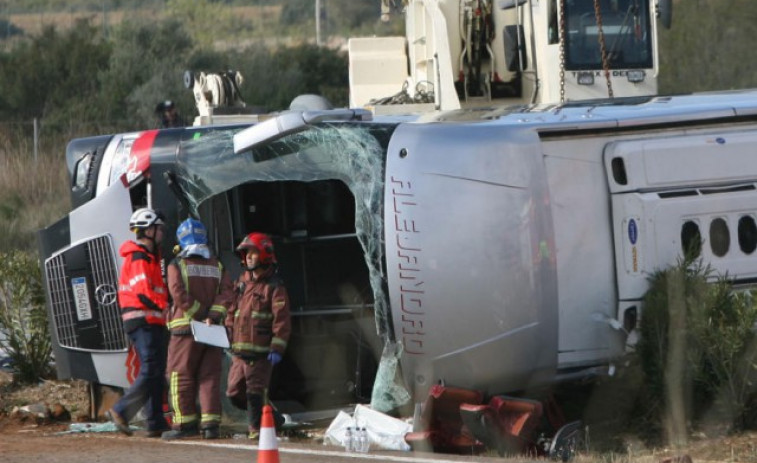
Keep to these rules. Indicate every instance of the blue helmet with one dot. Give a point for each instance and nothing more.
(191, 232)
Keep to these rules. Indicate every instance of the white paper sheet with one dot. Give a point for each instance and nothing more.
(214, 335)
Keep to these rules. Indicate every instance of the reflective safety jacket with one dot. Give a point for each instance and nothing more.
(200, 289)
(260, 317)
(142, 293)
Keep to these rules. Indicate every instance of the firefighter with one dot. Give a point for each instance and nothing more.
(143, 299)
(201, 290)
(260, 324)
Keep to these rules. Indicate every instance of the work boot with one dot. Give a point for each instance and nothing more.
(254, 410)
(211, 432)
(119, 421)
(181, 433)
(155, 432)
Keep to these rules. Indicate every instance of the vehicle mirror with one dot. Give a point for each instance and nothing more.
(665, 12)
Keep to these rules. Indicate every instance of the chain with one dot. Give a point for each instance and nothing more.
(602, 48)
(562, 51)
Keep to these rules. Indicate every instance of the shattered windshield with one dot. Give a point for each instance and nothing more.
(625, 27)
(352, 153)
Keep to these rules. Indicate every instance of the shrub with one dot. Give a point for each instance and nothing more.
(47, 75)
(24, 333)
(697, 349)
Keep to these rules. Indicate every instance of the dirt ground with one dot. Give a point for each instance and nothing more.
(20, 433)
(72, 395)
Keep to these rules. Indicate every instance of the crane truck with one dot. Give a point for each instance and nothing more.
(463, 53)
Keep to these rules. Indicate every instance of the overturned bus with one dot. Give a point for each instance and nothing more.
(501, 250)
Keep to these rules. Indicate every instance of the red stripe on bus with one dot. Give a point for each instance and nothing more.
(140, 153)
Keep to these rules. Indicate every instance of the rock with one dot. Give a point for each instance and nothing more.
(37, 413)
(59, 413)
(37, 410)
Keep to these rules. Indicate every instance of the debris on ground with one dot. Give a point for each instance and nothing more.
(73, 396)
(382, 431)
(93, 427)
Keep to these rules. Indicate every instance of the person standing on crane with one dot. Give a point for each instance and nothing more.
(168, 115)
(261, 324)
(143, 298)
(201, 290)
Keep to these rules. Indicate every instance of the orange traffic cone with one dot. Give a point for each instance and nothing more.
(268, 449)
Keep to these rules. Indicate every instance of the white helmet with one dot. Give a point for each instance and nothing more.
(145, 218)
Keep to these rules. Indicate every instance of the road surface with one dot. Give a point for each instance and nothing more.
(34, 446)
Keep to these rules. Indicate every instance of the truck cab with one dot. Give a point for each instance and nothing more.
(467, 53)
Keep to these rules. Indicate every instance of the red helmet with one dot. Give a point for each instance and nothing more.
(262, 243)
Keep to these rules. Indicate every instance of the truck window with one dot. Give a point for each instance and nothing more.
(626, 26)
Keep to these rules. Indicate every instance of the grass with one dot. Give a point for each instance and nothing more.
(33, 192)
(261, 21)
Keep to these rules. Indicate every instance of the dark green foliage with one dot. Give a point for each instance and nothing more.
(75, 78)
(718, 360)
(24, 333)
(297, 11)
(274, 79)
(345, 15)
(144, 68)
(8, 29)
(48, 75)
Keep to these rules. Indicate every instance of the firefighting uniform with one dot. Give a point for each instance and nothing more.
(260, 322)
(143, 298)
(200, 289)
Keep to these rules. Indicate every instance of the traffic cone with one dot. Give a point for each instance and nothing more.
(268, 449)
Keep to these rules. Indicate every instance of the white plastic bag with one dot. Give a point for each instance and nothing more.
(384, 432)
(335, 434)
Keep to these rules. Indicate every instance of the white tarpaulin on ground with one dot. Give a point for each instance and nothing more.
(384, 432)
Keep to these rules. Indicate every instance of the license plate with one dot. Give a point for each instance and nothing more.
(81, 298)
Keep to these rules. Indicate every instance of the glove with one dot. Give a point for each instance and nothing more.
(274, 357)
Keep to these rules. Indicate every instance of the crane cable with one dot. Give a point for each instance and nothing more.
(602, 48)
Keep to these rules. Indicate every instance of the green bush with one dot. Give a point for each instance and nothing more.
(75, 79)
(48, 75)
(273, 78)
(24, 333)
(145, 67)
(697, 350)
